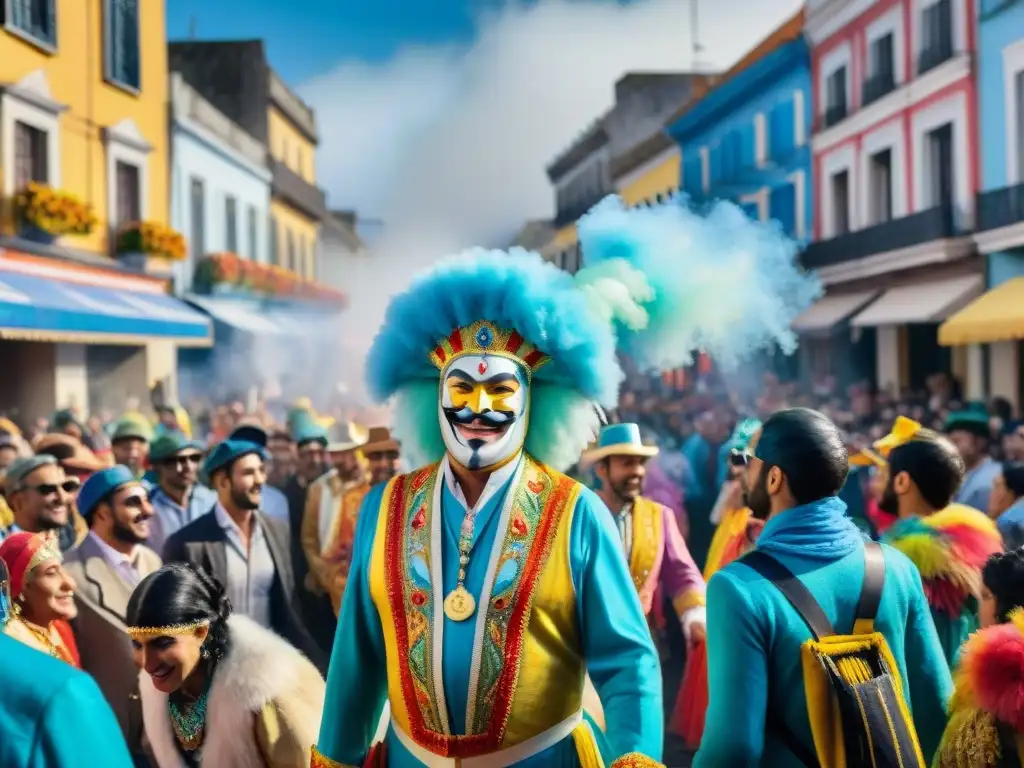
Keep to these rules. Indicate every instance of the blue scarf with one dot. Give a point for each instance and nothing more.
(820, 530)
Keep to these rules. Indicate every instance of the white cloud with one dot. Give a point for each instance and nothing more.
(449, 146)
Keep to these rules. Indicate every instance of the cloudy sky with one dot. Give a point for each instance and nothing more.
(439, 116)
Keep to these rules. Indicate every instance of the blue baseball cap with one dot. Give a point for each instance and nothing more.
(100, 485)
(228, 451)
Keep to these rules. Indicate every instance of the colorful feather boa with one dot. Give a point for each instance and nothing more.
(987, 711)
(949, 548)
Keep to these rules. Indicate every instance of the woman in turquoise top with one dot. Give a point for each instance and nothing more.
(754, 634)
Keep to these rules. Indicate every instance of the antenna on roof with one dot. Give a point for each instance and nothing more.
(193, 26)
(694, 36)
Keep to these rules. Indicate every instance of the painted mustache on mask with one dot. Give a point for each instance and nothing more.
(490, 418)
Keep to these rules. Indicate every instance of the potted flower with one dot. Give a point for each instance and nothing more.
(44, 214)
(138, 240)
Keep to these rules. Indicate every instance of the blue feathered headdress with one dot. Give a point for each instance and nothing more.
(657, 283)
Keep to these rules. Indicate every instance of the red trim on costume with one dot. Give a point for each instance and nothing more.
(455, 339)
(466, 746)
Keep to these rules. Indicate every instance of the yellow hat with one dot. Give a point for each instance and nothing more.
(903, 430)
(867, 458)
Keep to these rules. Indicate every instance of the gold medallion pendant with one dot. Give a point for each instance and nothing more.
(459, 605)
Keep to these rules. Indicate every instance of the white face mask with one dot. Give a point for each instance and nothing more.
(483, 409)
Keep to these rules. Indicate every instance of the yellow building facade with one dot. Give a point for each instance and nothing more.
(644, 184)
(83, 108)
(293, 146)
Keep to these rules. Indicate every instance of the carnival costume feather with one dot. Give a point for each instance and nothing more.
(986, 718)
(657, 283)
(949, 549)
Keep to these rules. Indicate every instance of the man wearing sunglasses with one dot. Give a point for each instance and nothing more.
(178, 498)
(107, 566)
(39, 494)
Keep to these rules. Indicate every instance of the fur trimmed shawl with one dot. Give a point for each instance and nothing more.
(264, 706)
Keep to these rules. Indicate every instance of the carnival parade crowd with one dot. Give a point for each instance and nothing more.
(534, 565)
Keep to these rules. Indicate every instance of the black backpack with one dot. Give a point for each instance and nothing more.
(855, 702)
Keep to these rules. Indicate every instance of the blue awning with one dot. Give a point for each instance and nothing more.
(238, 314)
(262, 317)
(39, 309)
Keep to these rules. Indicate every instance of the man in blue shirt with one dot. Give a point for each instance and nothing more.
(177, 497)
(754, 635)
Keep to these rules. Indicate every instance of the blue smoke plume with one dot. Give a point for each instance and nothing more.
(674, 281)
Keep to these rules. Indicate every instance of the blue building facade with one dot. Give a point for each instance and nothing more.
(1000, 70)
(220, 184)
(747, 140)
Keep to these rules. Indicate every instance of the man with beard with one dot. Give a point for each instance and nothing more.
(39, 494)
(658, 559)
(754, 635)
(274, 502)
(971, 434)
(107, 566)
(177, 496)
(246, 550)
(332, 508)
(382, 455)
(948, 542)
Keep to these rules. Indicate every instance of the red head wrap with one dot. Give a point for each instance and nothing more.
(22, 552)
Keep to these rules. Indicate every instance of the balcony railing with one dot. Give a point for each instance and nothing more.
(877, 86)
(923, 227)
(833, 115)
(298, 192)
(1001, 207)
(938, 53)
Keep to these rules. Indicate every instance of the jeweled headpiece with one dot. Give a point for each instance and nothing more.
(172, 630)
(486, 338)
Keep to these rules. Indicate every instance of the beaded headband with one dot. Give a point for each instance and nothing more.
(173, 630)
(485, 338)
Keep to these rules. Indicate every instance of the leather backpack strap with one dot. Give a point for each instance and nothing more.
(871, 591)
(793, 590)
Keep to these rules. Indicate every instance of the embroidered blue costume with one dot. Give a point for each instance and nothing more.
(477, 613)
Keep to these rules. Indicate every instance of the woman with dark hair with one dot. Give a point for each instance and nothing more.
(986, 719)
(218, 689)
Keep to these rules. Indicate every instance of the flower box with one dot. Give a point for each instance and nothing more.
(224, 273)
(45, 213)
(153, 239)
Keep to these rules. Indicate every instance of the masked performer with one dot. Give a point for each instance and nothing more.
(485, 585)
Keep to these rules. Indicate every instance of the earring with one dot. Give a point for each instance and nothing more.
(204, 652)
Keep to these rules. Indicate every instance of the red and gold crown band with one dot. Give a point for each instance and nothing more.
(485, 338)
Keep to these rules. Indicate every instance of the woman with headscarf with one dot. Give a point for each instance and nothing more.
(217, 689)
(986, 718)
(43, 595)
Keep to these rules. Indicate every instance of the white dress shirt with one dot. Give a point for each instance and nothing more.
(124, 565)
(251, 570)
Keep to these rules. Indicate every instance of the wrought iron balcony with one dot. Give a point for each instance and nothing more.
(833, 114)
(877, 86)
(1000, 207)
(288, 185)
(933, 224)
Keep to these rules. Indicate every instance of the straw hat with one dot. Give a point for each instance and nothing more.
(619, 440)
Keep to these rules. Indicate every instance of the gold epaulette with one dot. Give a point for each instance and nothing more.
(636, 760)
